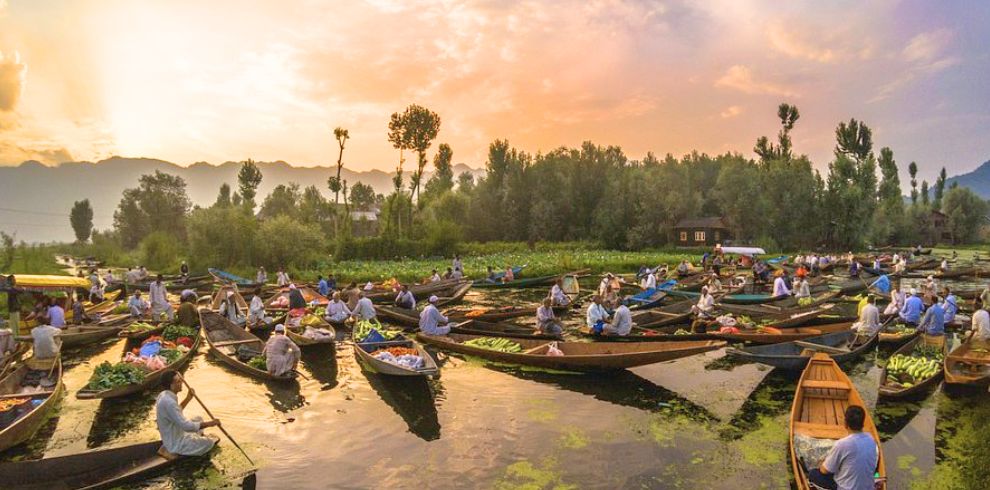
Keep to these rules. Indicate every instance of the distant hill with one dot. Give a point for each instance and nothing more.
(49, 191)
(978, 180)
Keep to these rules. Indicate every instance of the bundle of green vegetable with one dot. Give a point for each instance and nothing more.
(107, 376)
(805, 301)
(121, 308)
(496, 344)
(259, 362)
(173, 332)
(907, 371)
(320, 311)
(899, 329)
(139, 327)
(363, 328)
(170, 355)
(681, 331)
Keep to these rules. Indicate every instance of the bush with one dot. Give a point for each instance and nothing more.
(371, 248)
(159, 251)
(221, 237)
(285, 242)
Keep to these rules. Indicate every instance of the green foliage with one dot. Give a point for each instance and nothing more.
(285, 242)
(160, 251)
(443, 178)
(939, 189)
(7, 251)
(81, 218)
(221, 237)
(334, 182)
(966, 214)
(363, 197)
(415, 129)
(159, 203)
(174, 332)
(888, 222)
(248, 180)
(108, 376)
(223, 197)
(283, 201)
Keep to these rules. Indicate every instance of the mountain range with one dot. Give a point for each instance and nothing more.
(35, 199)
(978, 180)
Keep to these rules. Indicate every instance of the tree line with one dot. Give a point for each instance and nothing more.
(776, 200)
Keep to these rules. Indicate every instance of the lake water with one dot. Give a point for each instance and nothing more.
(699, 422)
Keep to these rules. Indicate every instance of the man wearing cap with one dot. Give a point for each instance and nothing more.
(911, 312)
(363, 309)
(933, 323)
(137, 305)
(281, 353)
(430, 319)
(780, 285)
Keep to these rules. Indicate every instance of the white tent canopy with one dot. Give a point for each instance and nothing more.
(750, 251)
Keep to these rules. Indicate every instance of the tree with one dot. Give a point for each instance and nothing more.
(363, 197)
(283, 201)
(221, 237)
(913, 171)
(940, 188)
(223, 197)
(248, 180)
(8, 247)
(854, 139)
(788, 115)
(924, 193)
(159, 203)
(890, 215)
(81, 218)
(418, 127)
(334, 183)
(465, 182)
(443, 179)
(399, 138)
(966, 214)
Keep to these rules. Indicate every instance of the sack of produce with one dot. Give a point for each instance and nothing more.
(554, 350)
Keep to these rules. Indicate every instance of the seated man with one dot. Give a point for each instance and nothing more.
(911, 312)
(405, 298)
(188, 315)
(597, 316)
(557, 295)
(431, 321)
(47, 343)
(180, 436)
(138, 306)
(546, 319)
(852, 462)
(933, 323)
(621, 322)
(869, 318)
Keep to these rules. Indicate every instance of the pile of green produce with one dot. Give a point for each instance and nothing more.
(170, 355)
(107, 376)
(320, 311)
(805, 301)
(121, 308)
(139, 327)
(173, 332)
(906, 371)
(681, 331)
(496, 344)
(259, 362)
(899, 329)
(363, 328)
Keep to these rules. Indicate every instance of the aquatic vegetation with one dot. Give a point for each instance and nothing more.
(523, 475)
(574, 438)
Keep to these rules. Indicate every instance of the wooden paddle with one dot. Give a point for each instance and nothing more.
(207, 410)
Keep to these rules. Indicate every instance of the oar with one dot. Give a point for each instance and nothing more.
(207, 410)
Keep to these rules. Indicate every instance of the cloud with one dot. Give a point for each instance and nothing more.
(12, 76)
(739, 77)
(796, 46)
(925, 47)
(13, 154)
(731, 111)
(923, 57)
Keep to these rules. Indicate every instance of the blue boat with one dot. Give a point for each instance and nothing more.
(226, 277)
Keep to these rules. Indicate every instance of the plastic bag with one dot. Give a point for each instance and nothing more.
(150, 349)
(553, 350)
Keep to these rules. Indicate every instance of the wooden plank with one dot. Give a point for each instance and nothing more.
(826, 385)
(234, 342)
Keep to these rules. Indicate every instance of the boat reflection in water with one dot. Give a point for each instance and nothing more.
(412, 398)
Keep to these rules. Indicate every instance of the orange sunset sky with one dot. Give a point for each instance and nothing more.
(219, 80)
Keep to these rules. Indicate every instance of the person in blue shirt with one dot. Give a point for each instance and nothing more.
(911, 312)
(322, 286)
(934, 321)
(331, 283)
(951, 305)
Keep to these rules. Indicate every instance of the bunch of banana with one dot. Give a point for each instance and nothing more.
(910, 370)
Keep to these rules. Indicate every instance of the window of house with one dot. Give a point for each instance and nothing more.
(699, 236)
(683, 236)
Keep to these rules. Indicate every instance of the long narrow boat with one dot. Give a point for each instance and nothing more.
(418, 290)
(79, 335)
(224, 277)
(499, 314)
(968, 364)
(478, 327)
(646, 299)
(151, 380)
(107, 305)
(31, 416)
(312, 321)
(309, 294)
(960, 272)
(841, 346)
(13, 356)
(768, 336)
(139, 335)
(101, 468)
(221, 293)
(673, 314)
(668, 333)
(410, 318)
(786, 306)
(363, 350)
(823, 394)
(891, 390)
(890, 336)
(224, 338)
(524, 282)
(578, 356)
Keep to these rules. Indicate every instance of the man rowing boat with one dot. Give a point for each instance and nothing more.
(180, 436)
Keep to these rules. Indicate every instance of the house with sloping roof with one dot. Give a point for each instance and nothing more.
(700, 232)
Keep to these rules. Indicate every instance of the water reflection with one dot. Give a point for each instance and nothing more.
(118, 416)
(320, 363)
(35, 447)
(412, 398)
(771, 398)
(284, 396)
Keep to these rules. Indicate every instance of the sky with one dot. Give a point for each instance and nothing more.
(190, 81)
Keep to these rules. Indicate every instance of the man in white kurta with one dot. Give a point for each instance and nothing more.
(159, 300)
(180, 436)
(232, 312)
(47, 341)
(780, 287)
(597, 316)
(261, 277)
(705, 308)
(137, 305)
(896, 302)
(981, 325)
(869, 319)
(337, 310)
(431, 321)
(364, 309)
(256, 312)
(557, 295)
(621, 322)
(281, 353)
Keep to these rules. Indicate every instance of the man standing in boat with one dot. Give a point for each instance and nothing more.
(180, 436)
(158, 295)
(852, 462)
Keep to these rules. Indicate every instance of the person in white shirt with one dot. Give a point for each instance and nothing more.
(621, 322)
(780, 286)
(405, 298)
(651, 281)
(431, 321)
(714, 284)
(802, 290)
(435, 277)
(546, 319)
(363, 309)
(897, 298)
(229, 310)
(256, 312)
(457, 274)
(606, 282)
(159, 300)
(262, 276)
(557, 295)
(705, 307)
(597, 317)
(138, 306)
(337, 310)
(282, 278)
(456, 264)
(47, 341)
(981, 325)
(869, 318)
(180, 436)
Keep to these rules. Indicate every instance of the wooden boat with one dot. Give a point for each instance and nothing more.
(143, 334)
(524, 282)
(674, 314)
(363, 350)
(960, 272)
(224, 277)
(221, 293)
(646, 299)
(841, 346)
(890, 391)
(888, 337)
(668, 333)
(823, 394)
(224, 338)
(499, 314)
(418, 290)
(578, 356)
(151, 380)
(102, 468)
(296, 332)
(13, 356)
(309, 294)
(787, 306)
(767, 336)
(194, 283)
(968, 364)
(32, 416)
(79, 335)
(103, 307)
(478, 327)
(410, 318)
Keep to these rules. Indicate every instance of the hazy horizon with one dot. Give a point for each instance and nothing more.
(186, 81)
